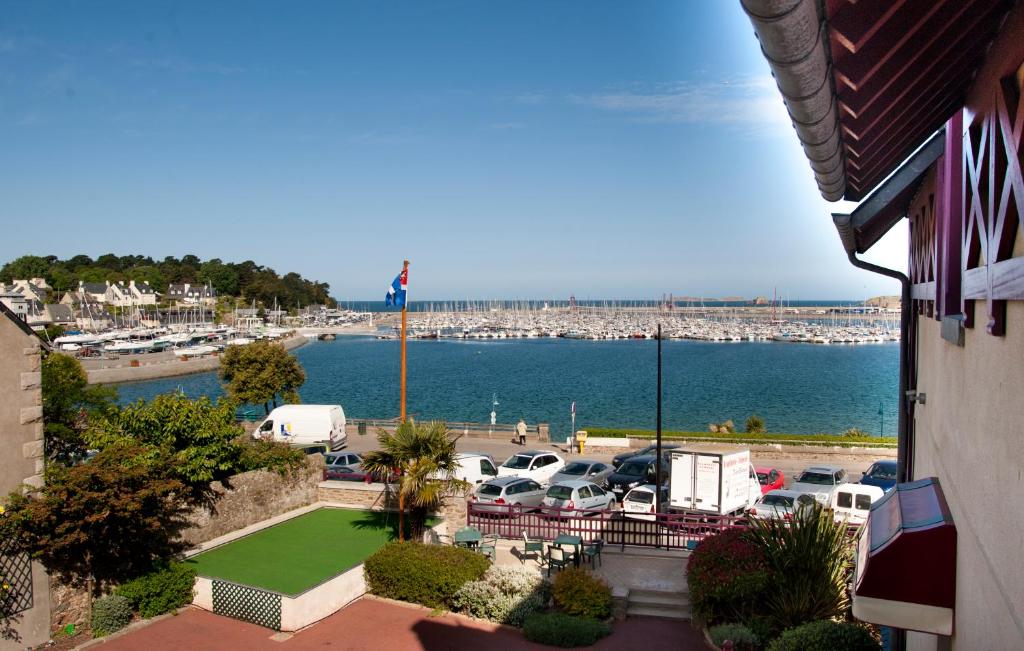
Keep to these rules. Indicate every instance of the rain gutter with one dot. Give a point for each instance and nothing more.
(794, 40)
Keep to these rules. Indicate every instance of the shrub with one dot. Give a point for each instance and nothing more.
(826, 634)
(257, 454)
(809, 555)
(743, 639)
(160, 591)
(755, 424)
(110, 614)
(854, 433)
(424, 574)
(506, 595)
(728, 575)
(577, 592)
(559, 629)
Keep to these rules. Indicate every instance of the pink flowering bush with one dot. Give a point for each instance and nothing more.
(728, 577)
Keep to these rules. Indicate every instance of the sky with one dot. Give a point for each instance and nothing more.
(508, 149)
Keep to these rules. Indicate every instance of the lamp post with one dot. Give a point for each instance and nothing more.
(881, 419)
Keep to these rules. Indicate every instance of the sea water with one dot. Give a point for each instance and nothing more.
(797, 388)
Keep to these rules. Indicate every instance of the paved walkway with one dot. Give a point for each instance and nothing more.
(374, 624)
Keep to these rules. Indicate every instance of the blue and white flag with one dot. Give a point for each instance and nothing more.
(397, 290)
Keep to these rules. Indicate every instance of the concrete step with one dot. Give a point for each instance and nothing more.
(664, 613)
(673, 596)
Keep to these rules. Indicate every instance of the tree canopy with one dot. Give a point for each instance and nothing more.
(260, 373)
(69, 403)
(246, 280)
(102, 521)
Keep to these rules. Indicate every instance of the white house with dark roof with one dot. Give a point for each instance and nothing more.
(191, 294)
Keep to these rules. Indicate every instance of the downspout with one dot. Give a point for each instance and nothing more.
(905, 425)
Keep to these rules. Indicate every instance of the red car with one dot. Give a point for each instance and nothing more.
(770, 479)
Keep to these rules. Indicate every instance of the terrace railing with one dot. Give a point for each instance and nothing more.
(662, 530)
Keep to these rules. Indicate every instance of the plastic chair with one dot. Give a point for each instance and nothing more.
(532, 547)
(592, 550)
(557, 557)
(489, 546)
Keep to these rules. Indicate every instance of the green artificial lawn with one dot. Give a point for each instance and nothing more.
(300, 553)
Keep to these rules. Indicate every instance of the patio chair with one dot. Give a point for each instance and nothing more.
(489, 546)
(532, 547)
(592, 550)
(558, 557)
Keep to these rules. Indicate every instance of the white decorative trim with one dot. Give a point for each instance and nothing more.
(902, 614)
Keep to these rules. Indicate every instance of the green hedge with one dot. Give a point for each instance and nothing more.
(826, 634)
(749, 437)
(728, 577)
(424, 574)
(578, 592)
(161, 591)
(110, 614)
(742, 638)
(558, 629)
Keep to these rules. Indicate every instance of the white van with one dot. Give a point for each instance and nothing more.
(851, 502)
(473, 468)
(305, 425)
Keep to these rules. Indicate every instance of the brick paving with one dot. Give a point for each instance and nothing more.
(376, 624)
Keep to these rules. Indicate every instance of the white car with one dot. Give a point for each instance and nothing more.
(577, 494)
(538, 465)
(852, 502)
(639, 502)
(819, 481)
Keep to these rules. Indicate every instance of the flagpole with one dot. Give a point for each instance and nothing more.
(401, 418)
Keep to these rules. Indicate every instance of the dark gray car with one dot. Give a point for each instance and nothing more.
(650, 449)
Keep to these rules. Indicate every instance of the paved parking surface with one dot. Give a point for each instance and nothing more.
(374, 624)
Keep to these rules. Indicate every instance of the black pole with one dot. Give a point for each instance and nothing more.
(657, 462)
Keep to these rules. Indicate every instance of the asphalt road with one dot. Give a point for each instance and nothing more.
(791, 460)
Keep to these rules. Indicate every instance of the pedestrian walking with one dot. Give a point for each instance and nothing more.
(521, 432)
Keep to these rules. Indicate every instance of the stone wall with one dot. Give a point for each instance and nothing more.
(378, 497)
(254, 496)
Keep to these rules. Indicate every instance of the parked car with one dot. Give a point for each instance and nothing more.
(634, 472)
(577, 494)
(639, 502)
(820, 481)
(881, 474)
(347, 473)
(473, 468)
(538, 465)
(852, 502)
(496, 494)
(619, 459)
(342, 459)
(595, 471)
(780, 503)
(770, 479)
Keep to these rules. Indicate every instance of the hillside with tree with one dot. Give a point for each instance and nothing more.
(246, 280)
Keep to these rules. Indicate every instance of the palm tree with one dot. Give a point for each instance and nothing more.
(424, 458)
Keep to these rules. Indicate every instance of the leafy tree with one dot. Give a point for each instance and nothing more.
(420, 454)
(196, 438)
(150, 274)
(69, 404)
(260, 373)
(100, 522)
(222, 277)
(27, 266)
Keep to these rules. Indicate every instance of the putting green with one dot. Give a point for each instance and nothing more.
(300, 553)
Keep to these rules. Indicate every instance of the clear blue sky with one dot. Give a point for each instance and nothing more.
(509, 149)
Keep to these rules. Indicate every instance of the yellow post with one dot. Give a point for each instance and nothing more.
(405, 276)
(581, 439)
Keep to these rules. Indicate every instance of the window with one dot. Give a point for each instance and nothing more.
(584, 492)
(818, 478)
(517, 462)
(531, 486)
(487, 468)
(267, 426)
(773, 476)
(840, 476)
(515, 489)
(777, 500)
(643, 497)
(489, 490)
(844, 500)
(560, 492)
(598, 467)
(863, 502)
(547, 460)
(597, 491)
(575, 468)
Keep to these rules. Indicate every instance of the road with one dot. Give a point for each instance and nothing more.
(791, 460)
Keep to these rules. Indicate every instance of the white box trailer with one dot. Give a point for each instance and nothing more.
(305, 426)
(716, 481)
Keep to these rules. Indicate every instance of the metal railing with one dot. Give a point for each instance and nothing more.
(662, 530)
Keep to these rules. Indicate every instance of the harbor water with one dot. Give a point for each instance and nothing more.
(797, 388)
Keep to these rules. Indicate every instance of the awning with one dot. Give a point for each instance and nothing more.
(889, 203)
(906, 561)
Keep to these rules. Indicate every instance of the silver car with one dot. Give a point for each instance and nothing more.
(343, 459)
(780, 503)
(594, 471)
(576, 494)
(496, 495)
(819, 481)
